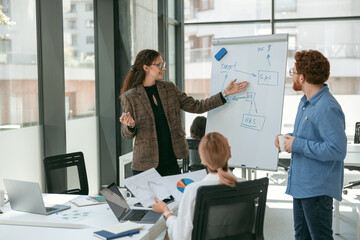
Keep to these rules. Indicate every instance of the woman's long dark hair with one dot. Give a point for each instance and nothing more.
(136, 75)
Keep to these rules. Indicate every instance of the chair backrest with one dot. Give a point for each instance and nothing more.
(66, 173)
(223, 212)
(193, 161)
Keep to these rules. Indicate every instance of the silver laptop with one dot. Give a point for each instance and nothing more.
(122, 210)
(27, 197)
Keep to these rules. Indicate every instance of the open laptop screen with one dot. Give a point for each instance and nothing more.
(115, 200)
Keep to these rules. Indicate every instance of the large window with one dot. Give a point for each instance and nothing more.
(335, 34)
(18, 65)
(20, 154)
(79, 62)
(229, 10)
(81, 124)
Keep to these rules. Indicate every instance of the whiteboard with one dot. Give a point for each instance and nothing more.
(251, 119)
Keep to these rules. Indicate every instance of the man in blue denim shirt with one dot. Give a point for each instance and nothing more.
(317, 147)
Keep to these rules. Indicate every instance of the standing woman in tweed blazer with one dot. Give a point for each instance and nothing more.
(152, 114)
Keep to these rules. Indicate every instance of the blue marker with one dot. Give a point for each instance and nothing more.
(243, 165)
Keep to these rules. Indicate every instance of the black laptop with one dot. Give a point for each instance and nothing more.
(122, 210)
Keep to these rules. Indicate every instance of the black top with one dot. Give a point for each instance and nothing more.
(167, 160)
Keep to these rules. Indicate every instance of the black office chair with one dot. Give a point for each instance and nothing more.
(60, 171)
(354, 183)
(193, 162)
(223, 212)
(284, 163)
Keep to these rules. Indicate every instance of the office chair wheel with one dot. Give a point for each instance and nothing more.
(345, 191)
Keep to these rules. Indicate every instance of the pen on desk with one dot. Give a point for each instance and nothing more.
(124, 234)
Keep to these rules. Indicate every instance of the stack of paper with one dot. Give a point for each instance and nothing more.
(119, 230)
(146, 186)
(149, 184)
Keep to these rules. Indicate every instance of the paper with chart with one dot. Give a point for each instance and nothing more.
(251, 119)
(177, 183)
(146, 186)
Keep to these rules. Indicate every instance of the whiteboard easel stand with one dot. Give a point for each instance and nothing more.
(249, 173)
(263, 61)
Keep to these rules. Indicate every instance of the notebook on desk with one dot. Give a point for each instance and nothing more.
(27, 197)
(122, 210)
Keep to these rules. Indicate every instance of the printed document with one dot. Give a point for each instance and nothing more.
(146, 186)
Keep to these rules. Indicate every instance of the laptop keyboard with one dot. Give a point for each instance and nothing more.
(49, 209)
(136, 215)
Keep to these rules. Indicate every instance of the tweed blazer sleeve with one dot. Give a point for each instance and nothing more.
(189, 104)
(127, 107)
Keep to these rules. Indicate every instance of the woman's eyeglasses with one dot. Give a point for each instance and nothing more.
(292, 72)
(160, 65)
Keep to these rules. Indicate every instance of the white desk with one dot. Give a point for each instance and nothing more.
(104, 217)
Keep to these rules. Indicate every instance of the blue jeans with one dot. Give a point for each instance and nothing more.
(313, 218)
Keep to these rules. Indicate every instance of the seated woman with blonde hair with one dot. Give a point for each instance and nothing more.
(214, 152)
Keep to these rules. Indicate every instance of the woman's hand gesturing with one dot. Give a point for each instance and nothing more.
(127, 120)
(234, 87)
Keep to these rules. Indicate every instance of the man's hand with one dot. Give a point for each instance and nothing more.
(288, 143)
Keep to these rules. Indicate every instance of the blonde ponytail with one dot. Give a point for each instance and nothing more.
(226, 178)
(215, 152)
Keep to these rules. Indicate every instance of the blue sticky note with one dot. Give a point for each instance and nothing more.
(220, 54)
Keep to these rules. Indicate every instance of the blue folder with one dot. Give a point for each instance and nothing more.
(108, 235)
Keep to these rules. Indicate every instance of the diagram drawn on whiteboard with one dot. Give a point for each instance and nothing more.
(251, 120)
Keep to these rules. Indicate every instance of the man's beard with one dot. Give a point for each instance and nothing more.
(296, 85)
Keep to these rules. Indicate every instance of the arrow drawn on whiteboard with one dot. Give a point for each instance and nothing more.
(268, 58)
(255, 107)
(222, 88)
(237, 98)
(253, 103)
(251, 74)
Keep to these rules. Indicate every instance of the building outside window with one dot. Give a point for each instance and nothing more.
(89, 23)
(79, 63)
(90, 40)
(18, 65)
(71, 24)
(89, 7)
(73, 8)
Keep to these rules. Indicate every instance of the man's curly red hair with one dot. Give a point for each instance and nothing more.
(313, 65)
